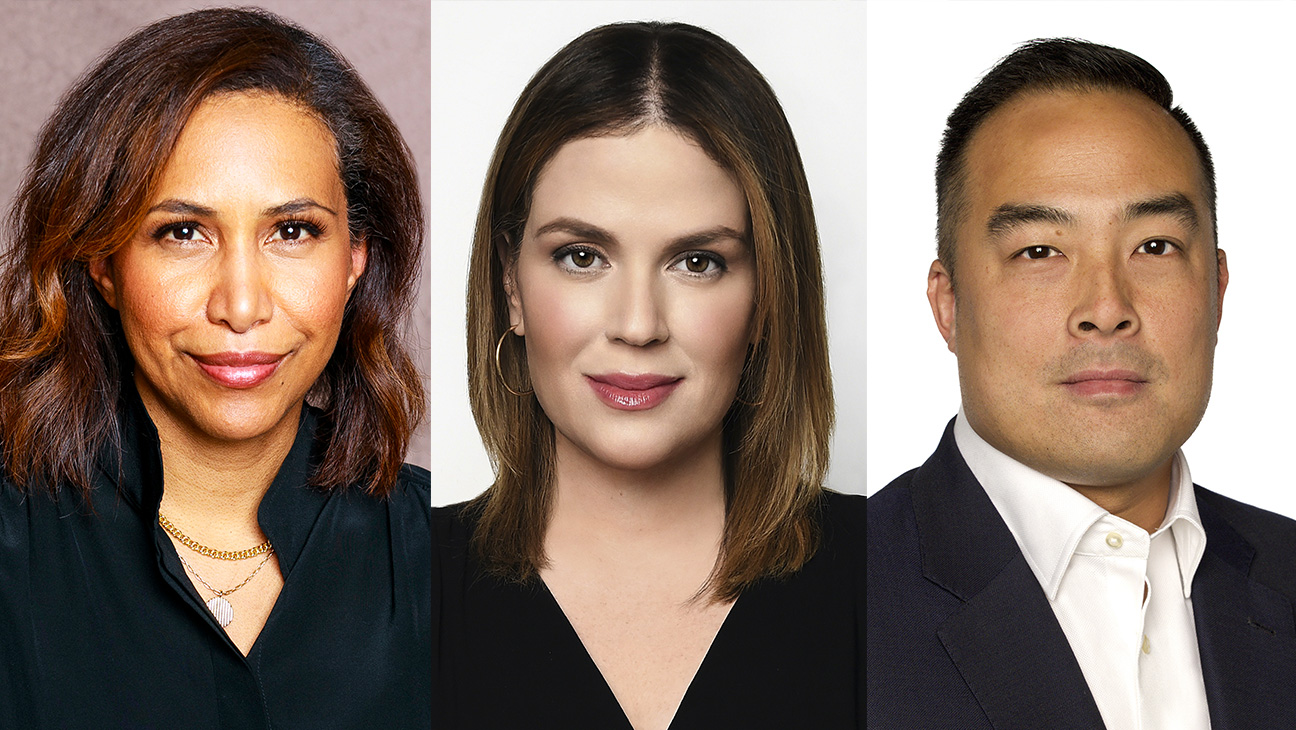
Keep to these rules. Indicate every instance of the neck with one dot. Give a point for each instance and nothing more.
(212, 488)
(669, 512)
(1143, 501)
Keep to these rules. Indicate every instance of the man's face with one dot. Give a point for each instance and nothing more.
(1089, 287)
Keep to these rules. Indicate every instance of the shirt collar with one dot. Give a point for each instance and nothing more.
(1048, 518)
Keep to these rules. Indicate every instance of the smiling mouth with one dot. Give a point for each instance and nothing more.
(633, 392)
(1112, 383)
(239, 370)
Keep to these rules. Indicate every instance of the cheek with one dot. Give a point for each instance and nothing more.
(715, 329)
(558, 324)
(1007, 331)
(314, 297)
(154, 301)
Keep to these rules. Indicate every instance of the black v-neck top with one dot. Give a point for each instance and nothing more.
(790, 655)
(101, 628)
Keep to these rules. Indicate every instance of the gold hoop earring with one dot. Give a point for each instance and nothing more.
(499, 369)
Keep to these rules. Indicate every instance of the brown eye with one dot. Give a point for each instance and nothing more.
(697, 264)
(1157, 247)
(177, 232)
(296, 231)
(1037, 252)
(701, 263)
(578, 259)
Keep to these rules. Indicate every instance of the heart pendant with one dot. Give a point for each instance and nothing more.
(222, 610)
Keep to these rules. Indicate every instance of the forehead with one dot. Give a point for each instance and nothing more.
(653, 172)
(230, 129)
(1080, 149)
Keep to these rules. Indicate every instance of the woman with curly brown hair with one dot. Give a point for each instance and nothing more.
(204, 402)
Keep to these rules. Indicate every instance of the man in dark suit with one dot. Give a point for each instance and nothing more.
(1052, 565)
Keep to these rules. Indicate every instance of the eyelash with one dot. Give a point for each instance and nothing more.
(561, 255)
(166, 228)
(307, 229)
(1022, 253)
(1171, 246)
(708, 256)
(563, 258)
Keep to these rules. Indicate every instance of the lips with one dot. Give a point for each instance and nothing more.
(1099, 382)
(633, 392)
(239, 369)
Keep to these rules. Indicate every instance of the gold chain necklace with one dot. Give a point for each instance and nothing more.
(201, 549)
(220, 608)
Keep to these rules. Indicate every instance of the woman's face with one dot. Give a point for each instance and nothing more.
(232, 291)
(634, 288)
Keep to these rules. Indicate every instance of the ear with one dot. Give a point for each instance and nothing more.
(359, 259)
(103, 276)
(940, 294)
(508, 263)
(1221, 261)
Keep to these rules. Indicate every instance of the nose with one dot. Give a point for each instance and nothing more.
(1105, 307)
(240, 294)
(637, 317)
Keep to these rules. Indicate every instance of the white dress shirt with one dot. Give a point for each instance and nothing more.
(1138, 656)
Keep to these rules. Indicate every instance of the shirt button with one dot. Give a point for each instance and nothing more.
(1115, 540)
(1147, 645)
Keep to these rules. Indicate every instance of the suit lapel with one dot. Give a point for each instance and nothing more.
(1006, 641)
(1245, 635)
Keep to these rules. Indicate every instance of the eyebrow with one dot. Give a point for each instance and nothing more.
(182, 207)
(297, 206)
(1174, 205)
(1009, 216)
(595, 234)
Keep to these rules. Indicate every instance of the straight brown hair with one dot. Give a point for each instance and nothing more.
(97, 162)
(613, 80)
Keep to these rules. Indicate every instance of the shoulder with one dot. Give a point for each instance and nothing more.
(1271, 536)
(891, 508)
(406, 509)
(413, 487)
(841, 517)
(1252, 522)
(12, 512)
(452, 529)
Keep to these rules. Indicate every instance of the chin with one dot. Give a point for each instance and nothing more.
(1101, 463)
(241, 424)
(633, 451)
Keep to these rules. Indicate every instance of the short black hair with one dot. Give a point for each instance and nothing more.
(1046, 64)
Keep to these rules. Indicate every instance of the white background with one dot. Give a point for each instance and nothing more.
(483, 53)
(1231, 66)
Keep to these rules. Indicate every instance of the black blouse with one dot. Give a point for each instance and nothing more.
(101, 628)
(790, 654)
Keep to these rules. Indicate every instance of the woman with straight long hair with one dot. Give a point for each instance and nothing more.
(204, 401)
(648, 367)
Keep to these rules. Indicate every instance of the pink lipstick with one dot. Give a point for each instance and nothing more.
(633, 392)
(1105, 382)
(239, 369)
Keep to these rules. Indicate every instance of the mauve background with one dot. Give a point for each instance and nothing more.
(46, 44)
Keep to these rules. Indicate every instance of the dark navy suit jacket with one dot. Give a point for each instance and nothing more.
(961, 635)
